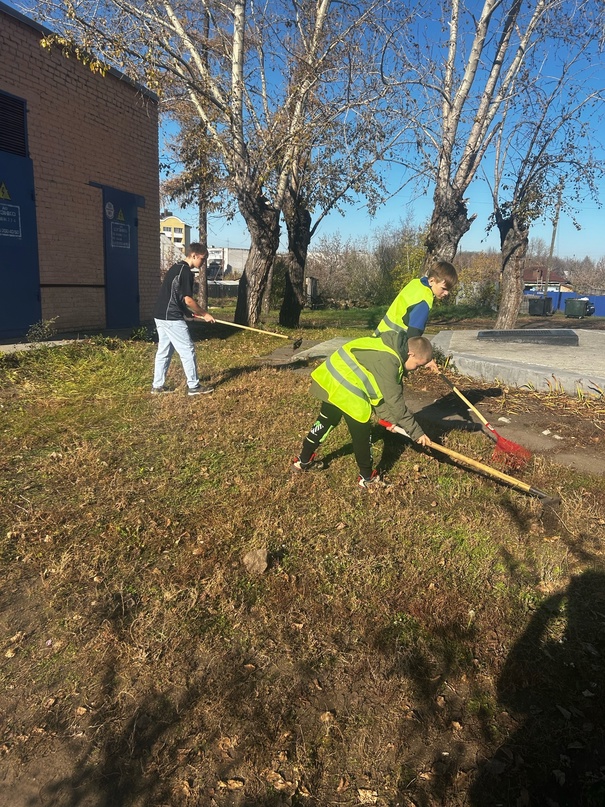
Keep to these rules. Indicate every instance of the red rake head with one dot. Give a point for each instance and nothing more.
(509, 454)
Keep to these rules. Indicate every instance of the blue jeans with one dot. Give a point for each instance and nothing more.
(174, 335)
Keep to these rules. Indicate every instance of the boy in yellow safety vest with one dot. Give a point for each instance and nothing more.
(364, 375)
(409, 311)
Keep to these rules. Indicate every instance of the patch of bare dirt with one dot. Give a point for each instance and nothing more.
(555, 426)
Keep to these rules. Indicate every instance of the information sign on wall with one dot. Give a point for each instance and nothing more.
(10, 221)
(120, 235)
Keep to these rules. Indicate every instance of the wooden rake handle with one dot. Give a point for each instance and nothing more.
(486, 469)
(466, 400)
(246, 327)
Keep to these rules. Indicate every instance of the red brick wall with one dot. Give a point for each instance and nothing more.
(82, 128)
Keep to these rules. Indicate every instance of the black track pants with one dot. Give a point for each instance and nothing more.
(361, 436)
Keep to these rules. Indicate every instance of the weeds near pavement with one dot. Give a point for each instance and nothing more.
(43, 331)
(527, 398)
(368, 663)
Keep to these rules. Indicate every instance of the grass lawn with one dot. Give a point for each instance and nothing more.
(435, 643)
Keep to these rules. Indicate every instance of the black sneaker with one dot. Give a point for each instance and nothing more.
(200, 389)
(160, 390)
(311, 465)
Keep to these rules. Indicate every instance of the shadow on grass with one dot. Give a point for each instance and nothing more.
(433, 419)
(552, 682)
(157, 755)
(165, 748)
(242, 370)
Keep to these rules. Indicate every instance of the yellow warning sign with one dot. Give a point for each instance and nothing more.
(4, 194)
(121, 216)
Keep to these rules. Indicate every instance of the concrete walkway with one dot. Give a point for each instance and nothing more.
(571, 368)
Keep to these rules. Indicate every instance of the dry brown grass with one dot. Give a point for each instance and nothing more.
(384, 656)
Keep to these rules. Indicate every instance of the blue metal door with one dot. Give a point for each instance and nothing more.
(120, 230)
(20, 305)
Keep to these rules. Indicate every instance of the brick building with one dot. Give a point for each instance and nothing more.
(79, 189)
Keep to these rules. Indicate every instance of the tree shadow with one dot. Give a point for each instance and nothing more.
(432, 760)
(552, 682)
(165, 752)
(255, 364)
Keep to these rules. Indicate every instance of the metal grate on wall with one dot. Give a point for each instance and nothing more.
(13, 131)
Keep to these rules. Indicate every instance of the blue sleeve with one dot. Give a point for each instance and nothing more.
(416, 318)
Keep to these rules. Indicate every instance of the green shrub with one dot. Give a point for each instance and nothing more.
(42, 331)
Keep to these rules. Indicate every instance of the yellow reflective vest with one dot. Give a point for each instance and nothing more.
(410, 295)
(349, 385)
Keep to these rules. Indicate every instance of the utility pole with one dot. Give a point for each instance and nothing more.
(555, 224)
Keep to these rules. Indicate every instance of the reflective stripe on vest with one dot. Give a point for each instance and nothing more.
(387, 324)
(370, 391)
(415, 292)
(349, 385)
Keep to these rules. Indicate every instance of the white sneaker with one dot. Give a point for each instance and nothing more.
(373, 482)
(311, 465)
(200, 389)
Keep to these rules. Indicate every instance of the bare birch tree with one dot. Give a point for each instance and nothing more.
(456, 101)
(334, 155)
(544, 163)
(230, 60)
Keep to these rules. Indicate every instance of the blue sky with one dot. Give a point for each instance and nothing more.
(570, 243)
(356, 222)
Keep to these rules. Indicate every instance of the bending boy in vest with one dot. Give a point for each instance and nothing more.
(409, 311)
(364, 375)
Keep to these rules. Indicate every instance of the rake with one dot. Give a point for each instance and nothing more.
(486, 469)
(521, 454)
(295, 345)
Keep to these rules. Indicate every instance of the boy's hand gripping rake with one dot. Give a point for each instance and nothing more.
(502, 444)
(486, 469)
(295, 345)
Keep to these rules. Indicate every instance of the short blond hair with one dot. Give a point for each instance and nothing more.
(421, 348)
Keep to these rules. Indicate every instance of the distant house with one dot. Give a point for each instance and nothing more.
(169, 254)
(534, 279)
(226, 262)
(176, 231)
(79, 189)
